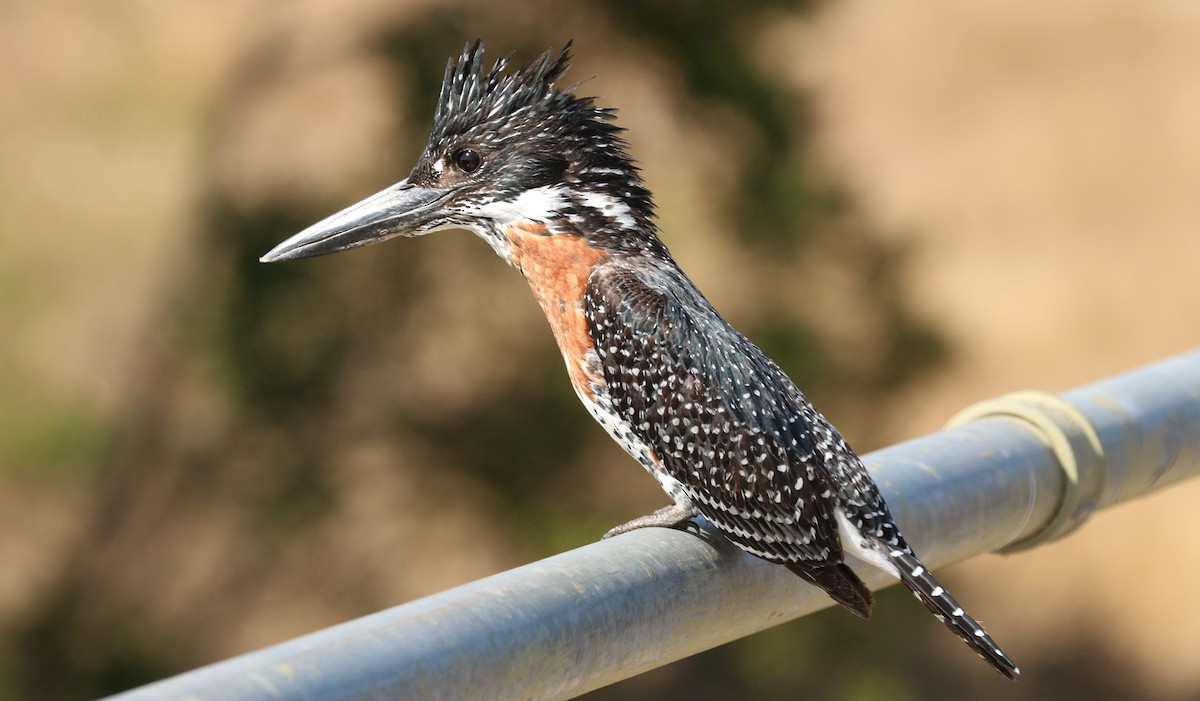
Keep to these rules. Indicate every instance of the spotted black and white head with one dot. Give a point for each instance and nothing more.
(506, 148)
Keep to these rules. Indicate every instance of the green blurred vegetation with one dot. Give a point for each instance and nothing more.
(264, 381)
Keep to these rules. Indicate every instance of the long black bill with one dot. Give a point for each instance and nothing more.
(400, 210)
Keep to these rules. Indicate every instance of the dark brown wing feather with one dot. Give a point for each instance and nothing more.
(722, 418)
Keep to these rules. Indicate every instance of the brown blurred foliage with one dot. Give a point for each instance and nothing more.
(204, 455)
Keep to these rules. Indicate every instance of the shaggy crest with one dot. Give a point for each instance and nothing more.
(538, 135)
(474, 99)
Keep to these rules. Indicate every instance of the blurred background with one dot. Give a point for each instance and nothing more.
(910, 206)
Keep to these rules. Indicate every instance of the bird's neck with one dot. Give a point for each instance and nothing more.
(558, 267)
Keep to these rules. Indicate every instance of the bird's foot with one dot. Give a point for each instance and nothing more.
(666, 517)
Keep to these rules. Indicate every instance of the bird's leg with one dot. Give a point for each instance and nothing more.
(666, 517)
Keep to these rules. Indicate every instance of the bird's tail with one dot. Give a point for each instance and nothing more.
(842, 585)
(939, 602)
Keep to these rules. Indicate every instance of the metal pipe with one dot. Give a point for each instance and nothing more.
(1022, 469)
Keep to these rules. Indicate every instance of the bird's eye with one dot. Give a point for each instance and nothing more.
(467, 160)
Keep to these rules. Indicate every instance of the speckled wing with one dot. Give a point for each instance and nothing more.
(706, 402)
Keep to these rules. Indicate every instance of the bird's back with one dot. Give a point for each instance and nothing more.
(722, 419)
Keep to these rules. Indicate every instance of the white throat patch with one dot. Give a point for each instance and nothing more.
(537, 205)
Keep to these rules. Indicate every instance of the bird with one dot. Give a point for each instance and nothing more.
(545, 178)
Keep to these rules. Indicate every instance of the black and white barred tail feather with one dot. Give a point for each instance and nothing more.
(939, 602)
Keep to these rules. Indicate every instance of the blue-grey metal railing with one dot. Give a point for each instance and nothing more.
(1017, 471)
